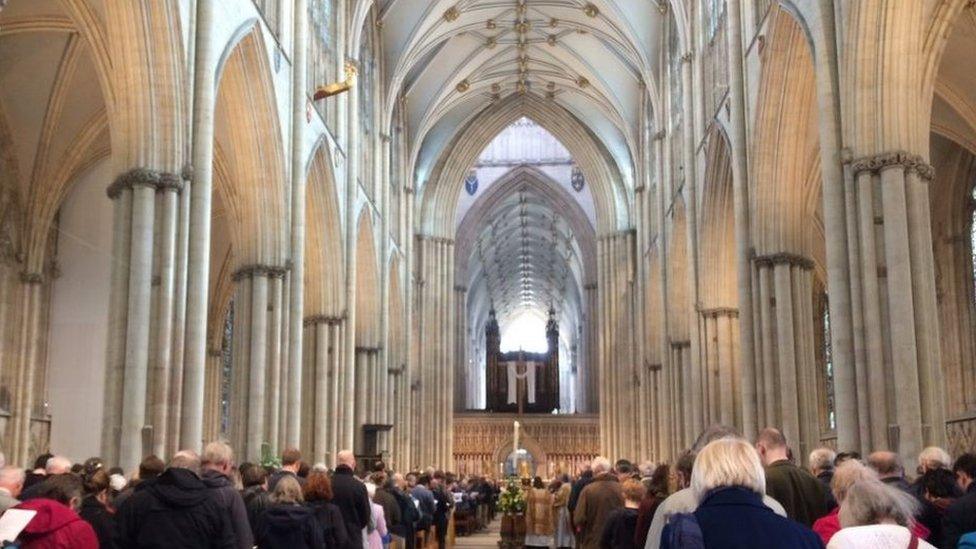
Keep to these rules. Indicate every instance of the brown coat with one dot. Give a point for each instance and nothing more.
(538, 512)
(598, 500)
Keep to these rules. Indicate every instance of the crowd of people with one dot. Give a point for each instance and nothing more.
(727, 492)
(208, 501)
(724, 492)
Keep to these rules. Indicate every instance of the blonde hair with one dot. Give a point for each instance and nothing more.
(287, 490)
(873, 502)
(727, 462)
(847, 474)
(217, 452)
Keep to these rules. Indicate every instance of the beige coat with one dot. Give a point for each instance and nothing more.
(538, 512)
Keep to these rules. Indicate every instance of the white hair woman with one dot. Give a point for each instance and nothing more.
(729, 482)
(874, 515)
(845, 476)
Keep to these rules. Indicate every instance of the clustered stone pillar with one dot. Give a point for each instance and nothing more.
(257, 364)
(893, 286)
(617, 368)
(142, 330)
(721, 381)
(786, 361)
(28, 343)
(324, 339)
(435, 403)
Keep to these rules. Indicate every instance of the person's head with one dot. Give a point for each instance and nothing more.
(254, 475)
(437, 479)
(771, 445)
(93, 464)
(379, 467)
(887, 464)
(287, 491)
(846, 456)
(933, 457)
(600, 466)
(658, 485)
(186, 459)
(538, 484)
(727, 462)
(65, 489)
(318, 487)
(965, 470)
(346, 458)
(822, 460)
(41, 462)
(624, 468)
(424, 480)
(97, 484)
(683, 468)
(151, 467)
(57, 465)
(291, 460)
(873, 502)
(939, 483)
(399, 481)
(411, 479)
(633, 491)
(378, 478)
(12, 480)
(713, 432)
(218, 456)
(847, 474)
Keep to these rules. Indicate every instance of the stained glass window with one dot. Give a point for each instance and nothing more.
(828, 368)
(226, 359)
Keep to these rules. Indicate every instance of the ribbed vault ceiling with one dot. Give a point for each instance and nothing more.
(451, 59)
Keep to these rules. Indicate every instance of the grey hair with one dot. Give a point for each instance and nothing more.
(872, 502)
(600, 465)
(714, 432)
(822, 459)
(217, 452)
(186, 459)
(57, 465)
(287, 490)
(12, 476)
(934, 457)
(848, 473)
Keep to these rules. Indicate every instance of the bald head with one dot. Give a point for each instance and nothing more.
(347, 458)
(887, 464)
(771, 445)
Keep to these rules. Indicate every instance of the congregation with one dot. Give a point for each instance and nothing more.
(723, 492)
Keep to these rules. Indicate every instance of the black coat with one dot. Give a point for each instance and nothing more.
(101, 519)
(229, 499)
(349, 494)
(288, 526)
(174, 510)
(330, 522)
(618, 533)
(409, 517)
(960, 518)
(257, 500)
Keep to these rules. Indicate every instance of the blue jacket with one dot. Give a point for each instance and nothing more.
(735, 518)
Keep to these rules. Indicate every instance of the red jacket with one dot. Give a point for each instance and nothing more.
(828, 525)
(55, 526)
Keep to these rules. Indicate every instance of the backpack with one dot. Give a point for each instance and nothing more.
(684, 532)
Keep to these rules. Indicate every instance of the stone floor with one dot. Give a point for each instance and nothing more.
(485, 539)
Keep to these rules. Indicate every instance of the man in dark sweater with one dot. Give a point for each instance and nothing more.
(800, 493)
(960, 517)
(349, 494)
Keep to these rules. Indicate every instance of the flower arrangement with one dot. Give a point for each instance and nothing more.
(512, 499)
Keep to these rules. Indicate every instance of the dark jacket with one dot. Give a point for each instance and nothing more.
(330, 522)
(735, 518)
(350, 496)
(229, 499)
(800, 493)
(825, 478)
(289, 526)
(409, 518)
(960, 518)
(257, 500)
(619, 531)
(427, 503)
(55, 526)
(279, 474)
(174, 510)
(645, 514)
(391, 509)
(102, 520)
(599, 499)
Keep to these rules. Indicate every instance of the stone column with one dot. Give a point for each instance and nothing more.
(31, 285)
(257, 367)
(740, 192)
(352, 189)
(275, 343)
(161, 374)
(198, 266)
(321, 420)
(296, 297)
(118, 309)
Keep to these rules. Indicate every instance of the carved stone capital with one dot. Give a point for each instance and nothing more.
(321, 319)
(251, 271)
(784, 257)
(893, 159)
(145, 177)
(681, 344)
(31, 278)
(716, 312)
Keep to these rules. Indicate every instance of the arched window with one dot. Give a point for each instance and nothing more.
(828, 367)
(226, 359)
